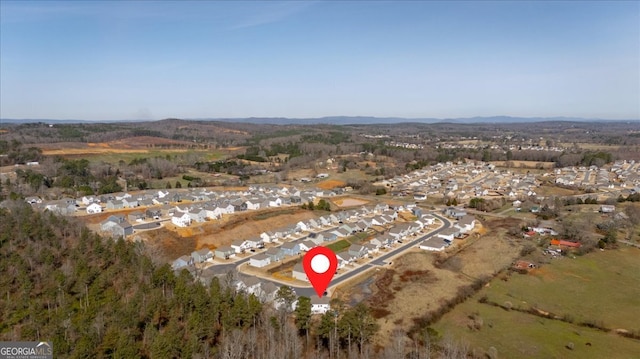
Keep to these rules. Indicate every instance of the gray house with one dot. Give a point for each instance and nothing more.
(290, 249)
(115, 204)
(182, 262)
(224, 252)
(357, 251)
(275, 254)
(202, 255)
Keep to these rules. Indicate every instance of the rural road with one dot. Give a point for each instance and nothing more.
(307, 290)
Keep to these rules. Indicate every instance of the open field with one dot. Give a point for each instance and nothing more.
(582, 288)
(348, 202)
(127, 149)
(601, 288)
(331, 184)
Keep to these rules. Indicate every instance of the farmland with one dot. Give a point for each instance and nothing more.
(599, 289)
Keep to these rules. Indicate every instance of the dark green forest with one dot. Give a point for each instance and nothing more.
(100, 298)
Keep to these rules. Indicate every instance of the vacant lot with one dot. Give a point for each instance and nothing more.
(601, 288)
(127, 149)
(249, 225)
(172, 242)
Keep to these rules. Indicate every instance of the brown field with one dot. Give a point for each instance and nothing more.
(349, 202)
(555, 191)
(173, 241)
(392, 293)
(126, 145)
(525, 164)
(331, 184)
(244, 226)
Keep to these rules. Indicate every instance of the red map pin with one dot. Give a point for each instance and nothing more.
(320, 265)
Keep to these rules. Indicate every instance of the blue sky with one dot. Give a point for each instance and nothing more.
(211, 59)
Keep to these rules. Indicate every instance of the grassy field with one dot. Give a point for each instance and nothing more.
(339, 246)
(600, 287)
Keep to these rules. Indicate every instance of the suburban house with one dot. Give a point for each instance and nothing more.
(267, 292)
(136, 216)
(302, 226)
(94, 208)
(254, 243)
(466, 223)
(116, 226)
(198, 215)
(307, 245)
(341, 233)
(427, 219)
(376, 242)
(290, 249)
(114, 204)
(344, 258)
(320, 305)
(260, 260)
(357, 251)
(129, 203)
(268, 237)
(182, 262)
(154, 213)
(298, 273)
(238, 246)
(400, 230)
(181, 219)
(201, 255)
(249, 285)
(455, 212)
(371, 248)
(224, 252)
(449, 234)
(253, 204)
(434, 244)
(275, 254)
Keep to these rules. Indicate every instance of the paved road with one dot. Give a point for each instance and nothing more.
(308, 290)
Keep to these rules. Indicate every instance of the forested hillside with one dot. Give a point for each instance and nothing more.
(99, 298)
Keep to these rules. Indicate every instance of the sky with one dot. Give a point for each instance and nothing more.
(125, 60)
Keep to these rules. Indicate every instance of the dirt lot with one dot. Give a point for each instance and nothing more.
(174, 242)
(414, 286)
(248, 225)
(331, 184)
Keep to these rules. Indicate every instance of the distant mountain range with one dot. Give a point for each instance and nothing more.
(344, 120)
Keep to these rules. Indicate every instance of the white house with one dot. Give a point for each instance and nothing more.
(435, 244)
(302, 226)
(94, 208)
(307, 245)
(181, 219)
(298, 273)
(320, 305)
(238, 246)
(466, 223)
(448, 234)
(260, 260)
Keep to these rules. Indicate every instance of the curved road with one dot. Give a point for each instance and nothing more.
(307, 290)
